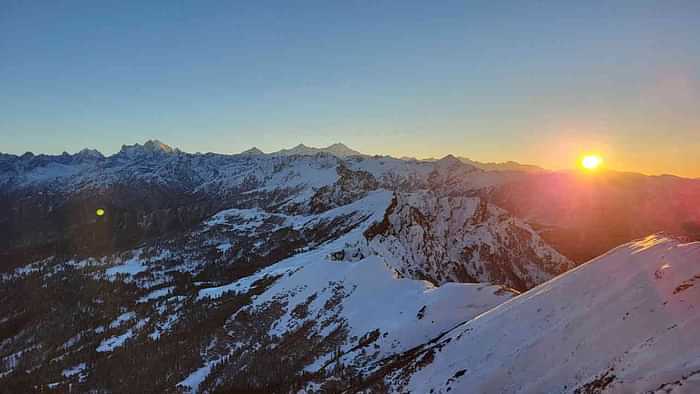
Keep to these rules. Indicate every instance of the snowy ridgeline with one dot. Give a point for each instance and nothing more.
(152, 164)
(624, 322)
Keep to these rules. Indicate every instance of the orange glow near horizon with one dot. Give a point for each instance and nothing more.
(591, 162)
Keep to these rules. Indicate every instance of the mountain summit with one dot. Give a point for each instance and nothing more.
(254, 151)
(337, 149)
(150, 146)
(341, 150)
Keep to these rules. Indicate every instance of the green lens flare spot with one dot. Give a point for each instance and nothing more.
(100, 212)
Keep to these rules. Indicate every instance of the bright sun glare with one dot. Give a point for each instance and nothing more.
(591, 162)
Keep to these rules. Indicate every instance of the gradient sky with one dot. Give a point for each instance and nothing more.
(539, 83)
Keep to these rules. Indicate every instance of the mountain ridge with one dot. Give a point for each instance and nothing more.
(316, 273)
(337, 149)
(639, 297)
(168, 177)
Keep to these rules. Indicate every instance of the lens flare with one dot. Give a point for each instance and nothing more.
(100, 212)
(591, 162)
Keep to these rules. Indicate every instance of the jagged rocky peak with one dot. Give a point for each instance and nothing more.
(300, 149)
(462, 239)
(150, 146)
(449, 172)
(155, 145)
(449, 161)
(254, 151)
(90, 154)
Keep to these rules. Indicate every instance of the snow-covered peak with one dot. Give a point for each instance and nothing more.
(341, 150)
(462, 239)
(300, 149)
(149, 147)
(155, 145)
(337, 149)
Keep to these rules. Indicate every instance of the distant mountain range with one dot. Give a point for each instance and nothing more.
(326, 270)
(337, 149)
(342, 150)
(505, 166)
(617, 206)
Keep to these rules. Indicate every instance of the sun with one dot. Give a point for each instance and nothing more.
(591, 162)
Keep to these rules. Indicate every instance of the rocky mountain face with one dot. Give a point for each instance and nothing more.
(462, 239)
(306, 272)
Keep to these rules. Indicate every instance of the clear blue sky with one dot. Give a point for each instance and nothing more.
(537, 83)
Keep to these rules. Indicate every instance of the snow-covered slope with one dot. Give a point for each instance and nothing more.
(626, 322)
(326, 322)
(368, 313)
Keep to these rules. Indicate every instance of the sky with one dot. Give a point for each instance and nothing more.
(537, 82)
